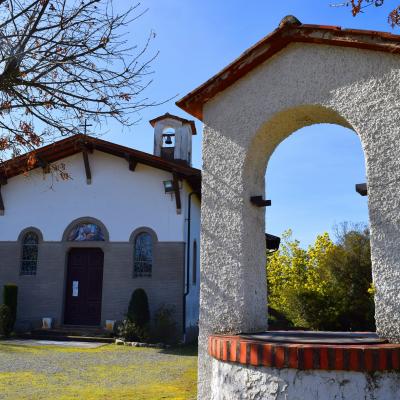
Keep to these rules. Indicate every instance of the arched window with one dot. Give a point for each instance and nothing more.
(194, 263)
(85, 232)
(143, 255)
(30, 250)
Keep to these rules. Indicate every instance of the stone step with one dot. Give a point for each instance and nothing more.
(75, 330)
(72, 333)
(65, 338)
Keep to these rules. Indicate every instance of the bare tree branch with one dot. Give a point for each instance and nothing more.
(359, 6)
(63, 62)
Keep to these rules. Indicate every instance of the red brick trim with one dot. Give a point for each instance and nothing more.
(359, 357)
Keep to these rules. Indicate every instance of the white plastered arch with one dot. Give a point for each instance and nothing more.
(301, 85)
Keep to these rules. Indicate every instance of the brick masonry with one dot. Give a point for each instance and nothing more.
(42, 295)
(359, 358)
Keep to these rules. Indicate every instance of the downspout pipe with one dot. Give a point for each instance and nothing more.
(187, 285)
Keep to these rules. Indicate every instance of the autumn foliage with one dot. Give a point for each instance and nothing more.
(358, 6)
(63, 63)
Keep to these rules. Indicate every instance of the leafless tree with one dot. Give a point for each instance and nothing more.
(63, 62)
(359, 6)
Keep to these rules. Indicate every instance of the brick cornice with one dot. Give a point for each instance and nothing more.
(357, 357)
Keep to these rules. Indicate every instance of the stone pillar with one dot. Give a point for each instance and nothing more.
(243, 126)
(233, 279)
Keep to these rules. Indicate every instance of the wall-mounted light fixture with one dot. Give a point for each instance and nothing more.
(272, 242)
(258, 201)
(362, 189)
(168, 186)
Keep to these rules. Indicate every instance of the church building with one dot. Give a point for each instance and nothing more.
(123, 219)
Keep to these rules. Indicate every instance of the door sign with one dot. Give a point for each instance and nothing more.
(75, 288)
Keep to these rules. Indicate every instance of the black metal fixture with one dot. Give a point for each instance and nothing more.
(362, 189)
(168, 138)
(187, 286)
(258, 201)
(272, 243)
(168, 186)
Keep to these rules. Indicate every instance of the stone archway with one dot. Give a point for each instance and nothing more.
(297, 76)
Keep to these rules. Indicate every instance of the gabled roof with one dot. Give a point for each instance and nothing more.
(175, 117)
(290, 30)
(75, 144)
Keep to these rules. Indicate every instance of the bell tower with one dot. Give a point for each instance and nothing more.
(173, 138)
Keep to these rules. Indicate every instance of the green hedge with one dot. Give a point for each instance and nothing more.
(5, 320)
(10, 298)
(138, 310)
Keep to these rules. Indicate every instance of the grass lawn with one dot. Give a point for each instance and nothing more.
(109, 372)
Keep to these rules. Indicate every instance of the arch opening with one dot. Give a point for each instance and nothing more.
(311, 163)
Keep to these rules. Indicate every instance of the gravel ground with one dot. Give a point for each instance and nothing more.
(54, 343)
(108, 372)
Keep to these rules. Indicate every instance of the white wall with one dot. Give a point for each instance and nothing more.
(237, 382)
(192, 300)
(303, 84)
(121, 199)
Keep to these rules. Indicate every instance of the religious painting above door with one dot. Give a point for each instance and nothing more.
(84, 232)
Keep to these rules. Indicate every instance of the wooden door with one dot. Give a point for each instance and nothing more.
(84, 286)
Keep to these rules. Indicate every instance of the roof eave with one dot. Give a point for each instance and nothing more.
(73, 145)
(194, 101)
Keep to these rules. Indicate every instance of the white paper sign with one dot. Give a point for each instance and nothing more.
(75, 288)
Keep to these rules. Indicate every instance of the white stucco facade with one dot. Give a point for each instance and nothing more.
(121, 199)
(124, 203)
(301, 85)
(235, 382)
(193, 287)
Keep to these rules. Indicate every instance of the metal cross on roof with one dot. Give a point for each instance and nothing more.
(85, 126)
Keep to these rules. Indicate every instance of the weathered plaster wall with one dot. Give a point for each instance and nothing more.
(302, 85)
(121, 199)
(234, 382)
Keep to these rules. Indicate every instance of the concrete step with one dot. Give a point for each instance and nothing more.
(74, 330)
(65, 338)
(71, 333)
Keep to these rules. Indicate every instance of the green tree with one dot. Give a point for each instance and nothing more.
(325, 287)
(349, 264)
(10, 297)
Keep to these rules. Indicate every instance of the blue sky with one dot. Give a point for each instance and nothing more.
(311, 175)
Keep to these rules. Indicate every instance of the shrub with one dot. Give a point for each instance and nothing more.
(10, 297)
(116, 329)
(5, 320)
(138, 310)
(164, 329)
(327, 286)
(131, 332)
